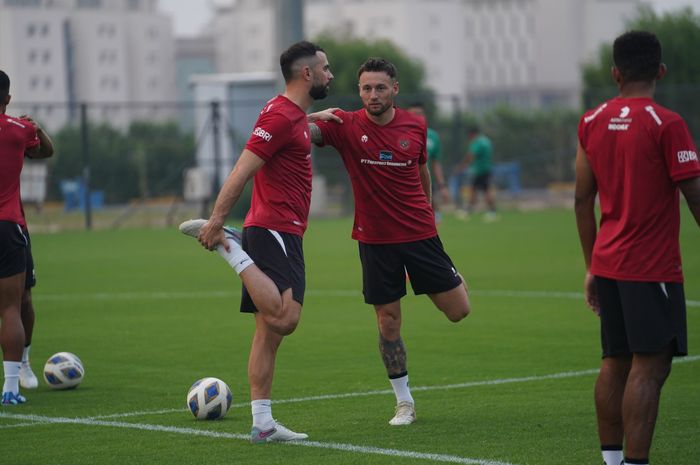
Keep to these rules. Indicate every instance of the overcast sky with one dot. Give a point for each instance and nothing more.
(190, 16)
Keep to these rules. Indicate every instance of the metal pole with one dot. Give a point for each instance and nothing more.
(216, 145)
(85, 136)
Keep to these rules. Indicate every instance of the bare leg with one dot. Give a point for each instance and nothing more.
(490, 202)
(391, 346)
(11, 330)
(472, 199)
(640, 405)
(281, 312)
(453, 303)
(609, 390)
(27, 316)
(261, 362)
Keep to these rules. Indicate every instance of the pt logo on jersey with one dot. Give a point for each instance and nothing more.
(624, 112)
(385, 155)
(404, 143)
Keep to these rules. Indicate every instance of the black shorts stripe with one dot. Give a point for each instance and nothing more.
(282, 261)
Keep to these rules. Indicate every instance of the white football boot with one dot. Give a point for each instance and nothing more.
(405, 414)
(277, 433)
(27, 378)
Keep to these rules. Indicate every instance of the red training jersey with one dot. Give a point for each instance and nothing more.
(638, 152)
(383, 163)
(16, 136)
(282, 187)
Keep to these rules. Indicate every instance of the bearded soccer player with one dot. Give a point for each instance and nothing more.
(635, 155)
(384, 151)
(18, 138)
(268, 256)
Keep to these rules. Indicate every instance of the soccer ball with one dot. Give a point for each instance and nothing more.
(209, 399)
(63, 371)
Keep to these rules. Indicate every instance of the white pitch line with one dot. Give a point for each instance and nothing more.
(346, 395)
(246, 437)
(167, 295)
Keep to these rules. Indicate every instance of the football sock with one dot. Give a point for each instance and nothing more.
(401, 389)
(612, 455)
(629, 461)
(25, 353)
(237, 258)
(11, 377)
(262, 414)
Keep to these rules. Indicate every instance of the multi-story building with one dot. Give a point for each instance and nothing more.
(526, 53)
(117, 55)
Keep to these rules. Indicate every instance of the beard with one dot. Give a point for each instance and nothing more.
(318, 91)
(378, 111)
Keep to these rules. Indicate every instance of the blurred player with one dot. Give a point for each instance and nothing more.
(269, 257)
(434, 149)
(17, 139)
(636, 155)
(479, 159)
(384, 151)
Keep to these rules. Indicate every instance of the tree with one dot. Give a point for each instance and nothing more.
(679, 34)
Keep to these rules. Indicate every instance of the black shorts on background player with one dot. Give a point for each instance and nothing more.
(30, 277)
(285, 266)
(384, 268)
(13, 258)
(482, 182)
(641, 317)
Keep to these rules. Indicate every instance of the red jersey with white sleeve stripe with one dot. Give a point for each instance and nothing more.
(16, 136)
(383, 162)
(638, 152)
(282, 187)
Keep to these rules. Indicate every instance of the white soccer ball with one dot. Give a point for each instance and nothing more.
(209, 399)
(63, 371)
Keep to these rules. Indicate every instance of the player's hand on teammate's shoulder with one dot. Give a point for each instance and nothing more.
(325, 115)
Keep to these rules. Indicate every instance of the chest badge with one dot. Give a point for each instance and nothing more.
(404, 143)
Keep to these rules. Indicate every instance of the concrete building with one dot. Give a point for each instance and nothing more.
(527, 53)
(119, 54)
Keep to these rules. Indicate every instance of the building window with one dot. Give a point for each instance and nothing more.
(31, 30)
(89, 3)
(134, 4)
(32, 56)
(47, 82)
(45, 29)
(34, 83)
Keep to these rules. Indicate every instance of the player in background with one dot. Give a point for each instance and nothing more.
(434, 149)
(17, 139)
(268, 257)
(479, 159)
(27, 378)
(635, 155)
(384, 151)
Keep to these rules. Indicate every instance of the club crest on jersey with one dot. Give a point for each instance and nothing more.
(364, 138)
(404, 143)
(385, 155)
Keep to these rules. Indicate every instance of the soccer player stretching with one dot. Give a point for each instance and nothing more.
(269, 257)
(384, 151)
(636, 155)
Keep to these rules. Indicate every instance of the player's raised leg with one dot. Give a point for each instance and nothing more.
(454, 303)
(261, 367)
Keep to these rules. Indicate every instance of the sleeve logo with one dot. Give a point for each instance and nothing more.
(263, 134)
(686, 156)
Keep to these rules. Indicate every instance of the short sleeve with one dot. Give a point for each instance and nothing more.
(679, 151)
(330, 130)
(271, 133)
(31, 137)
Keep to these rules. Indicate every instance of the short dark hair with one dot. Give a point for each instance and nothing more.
(4, 85)
(303, 49)
(380, 65)
(637, 55)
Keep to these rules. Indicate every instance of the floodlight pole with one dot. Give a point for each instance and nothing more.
(85, 140)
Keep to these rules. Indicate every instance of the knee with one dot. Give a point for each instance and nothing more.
(285, 328)
(459, 314)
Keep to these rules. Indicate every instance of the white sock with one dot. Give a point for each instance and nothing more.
(237, 258)
(11, 377)
(25, 354)
(613, 457)
(636, 463)
(401, 389)
(262, 414)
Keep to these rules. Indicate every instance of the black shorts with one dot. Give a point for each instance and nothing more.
(30, 277)
(482, 182)
(13, 245)
(384, 269)
(280, 256)
(641, 317)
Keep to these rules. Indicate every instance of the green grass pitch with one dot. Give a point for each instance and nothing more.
(149, 312)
